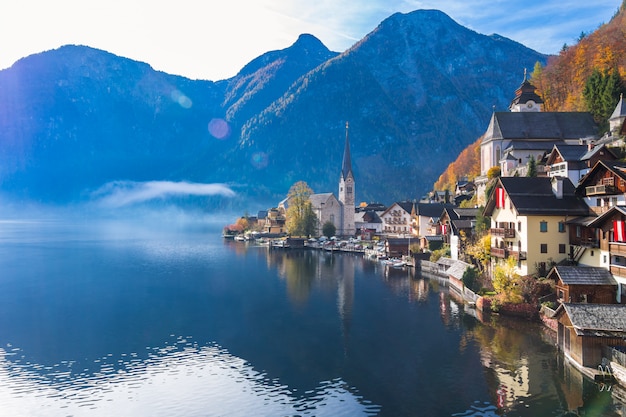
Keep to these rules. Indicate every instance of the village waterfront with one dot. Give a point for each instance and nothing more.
(116, 318)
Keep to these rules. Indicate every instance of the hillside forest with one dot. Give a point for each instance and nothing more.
(588, 76)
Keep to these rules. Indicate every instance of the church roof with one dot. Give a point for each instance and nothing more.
(321, 198)
(540, 126)
(346, 166)
(525, 93)
(620, 109)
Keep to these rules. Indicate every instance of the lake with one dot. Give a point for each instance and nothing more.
(114, 317)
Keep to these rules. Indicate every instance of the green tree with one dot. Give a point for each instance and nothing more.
(531, 170)
(329, 229)
(601, 94)
(301, 219)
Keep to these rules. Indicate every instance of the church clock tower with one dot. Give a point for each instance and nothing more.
(346, 191)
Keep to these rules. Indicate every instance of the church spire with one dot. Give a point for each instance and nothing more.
(346, 167)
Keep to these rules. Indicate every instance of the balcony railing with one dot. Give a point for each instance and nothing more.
(502, 232)
(599, 189)
(505, 253)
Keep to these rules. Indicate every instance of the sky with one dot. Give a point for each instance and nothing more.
(213, 40)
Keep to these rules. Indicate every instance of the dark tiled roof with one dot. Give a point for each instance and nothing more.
(584, 275)
(620, 109)
(572, 152)
(541, 125)
(431, 209)
(534, 196)
(602, 320)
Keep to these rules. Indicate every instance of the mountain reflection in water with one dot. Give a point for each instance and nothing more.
(127, 321)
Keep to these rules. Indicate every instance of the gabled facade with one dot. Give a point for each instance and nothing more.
(610, 228)
(575, 161)
(604, 186)
(583, 284)
(529, 220)
(327, 209)
(423, 216)
(454, 222)
(397, 219)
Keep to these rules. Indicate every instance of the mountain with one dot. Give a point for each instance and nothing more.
(416, 91)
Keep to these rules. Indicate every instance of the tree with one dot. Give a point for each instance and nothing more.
(531, 167)
(329, 229)
(301, 219)
(601, 94)
(506, 282)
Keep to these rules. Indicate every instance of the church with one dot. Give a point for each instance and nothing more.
(338, 210)
(527, 132)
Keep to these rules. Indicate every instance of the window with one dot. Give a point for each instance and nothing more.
(543, 226)
(607, 181)
(544, 248)
(578, 231)
(561, 227)
(561, 247)
(519, 226)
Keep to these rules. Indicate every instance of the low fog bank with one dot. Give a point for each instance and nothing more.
(152, 205)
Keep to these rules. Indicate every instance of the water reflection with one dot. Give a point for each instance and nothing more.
(91, 324)
(180, 378)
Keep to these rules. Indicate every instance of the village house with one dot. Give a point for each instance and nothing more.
(528, 221)
(455, 223)
(426, 218)
(611, 246)
(575, 161)
(584, 284)
(398, 219)
(604, 186)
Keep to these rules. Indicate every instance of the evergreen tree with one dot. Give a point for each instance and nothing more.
(531, 167)
(601, 94)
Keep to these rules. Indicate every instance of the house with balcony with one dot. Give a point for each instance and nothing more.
(398, 218)
(529, 221)
(575, 161)
(426, 218)
(610, 230)
(454, 224)
(604, 186)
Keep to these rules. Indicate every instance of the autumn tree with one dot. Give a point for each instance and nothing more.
(301, 219)
(506, 282)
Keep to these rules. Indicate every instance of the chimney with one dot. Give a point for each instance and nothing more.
(590, 145)
(557, 187)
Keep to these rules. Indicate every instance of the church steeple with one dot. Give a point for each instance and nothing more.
(346, 167)
(346, 191)
(526, 99)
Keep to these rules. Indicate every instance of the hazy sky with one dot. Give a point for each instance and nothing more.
(214, 40)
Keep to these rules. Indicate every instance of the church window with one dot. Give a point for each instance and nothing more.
(349, 189)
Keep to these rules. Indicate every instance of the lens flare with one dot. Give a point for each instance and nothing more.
(182, 100)
(259, 160)
(219, 128)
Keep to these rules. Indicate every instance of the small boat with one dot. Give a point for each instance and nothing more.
(240, 238)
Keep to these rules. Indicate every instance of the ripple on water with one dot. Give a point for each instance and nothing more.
(178, 379)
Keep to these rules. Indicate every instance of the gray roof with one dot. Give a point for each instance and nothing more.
(431, 209)
(584, 275)
(457, 269)
(601, 320)
(620, 109)
(540, 126)
(318, 199)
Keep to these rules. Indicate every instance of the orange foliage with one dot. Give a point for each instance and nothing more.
(467, 165)
(562, 81)
(560, 84)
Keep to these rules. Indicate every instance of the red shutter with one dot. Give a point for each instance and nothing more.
(619, 231)
(499, 197)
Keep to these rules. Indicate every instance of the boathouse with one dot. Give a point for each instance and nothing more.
(584, 284)
(584, 329)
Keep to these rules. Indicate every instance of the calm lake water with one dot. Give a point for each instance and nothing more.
(116, 319)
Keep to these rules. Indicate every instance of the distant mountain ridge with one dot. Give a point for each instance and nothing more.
(416, 90)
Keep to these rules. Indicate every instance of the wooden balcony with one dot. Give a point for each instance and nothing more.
(504, 253)
(600, 190)
(501, 232)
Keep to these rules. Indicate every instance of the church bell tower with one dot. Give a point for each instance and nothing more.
(346, 191)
